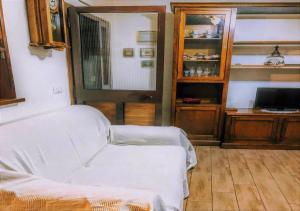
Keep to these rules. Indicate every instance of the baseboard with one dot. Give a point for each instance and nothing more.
(259, 146)
(205, 142)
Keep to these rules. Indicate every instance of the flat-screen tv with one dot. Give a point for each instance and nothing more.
(278, 99)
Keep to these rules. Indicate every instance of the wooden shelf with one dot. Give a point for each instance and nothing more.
(202, 60)
(199, 80)
(260, 47)
(268, 16)
(287, 73)
(202, 39)
(267, 42)
(266, 67)
(11, 101)
(196, 105)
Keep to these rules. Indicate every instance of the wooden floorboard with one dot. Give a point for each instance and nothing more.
(245, 180)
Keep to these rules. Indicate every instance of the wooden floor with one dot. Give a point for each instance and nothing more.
(246, 180)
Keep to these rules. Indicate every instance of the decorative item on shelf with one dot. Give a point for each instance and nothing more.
(199, 56)
(46, 21)
(185, 56)
(211, 34)
(190, 100)
(206, 72)
(128, 52)
(215, 56)
(275, 59)
(147, 52)
(207, 57)
(186, 73)
(193, 58)
(199, 71)
(215, 71)
(192, 71)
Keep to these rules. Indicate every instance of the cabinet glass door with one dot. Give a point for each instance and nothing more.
(203, 44)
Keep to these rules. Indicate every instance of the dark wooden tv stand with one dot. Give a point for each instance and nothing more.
(250, 128)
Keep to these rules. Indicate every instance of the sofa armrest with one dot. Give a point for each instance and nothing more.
(153, 135)
(18, 190)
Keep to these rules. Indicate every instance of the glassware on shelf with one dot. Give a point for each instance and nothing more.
(275, 58)
(202, 47)
(186, 73)
(199, 71)
(206, 72)
(192, 71)
(215, 71)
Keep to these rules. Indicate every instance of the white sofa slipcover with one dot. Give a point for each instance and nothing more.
(70, 149)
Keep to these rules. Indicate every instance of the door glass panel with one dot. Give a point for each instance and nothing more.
(203, 37)
(118, 50)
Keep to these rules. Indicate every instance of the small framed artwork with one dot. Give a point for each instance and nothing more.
(147, 52)
(147, 36)
(128, 52)
(147, 63)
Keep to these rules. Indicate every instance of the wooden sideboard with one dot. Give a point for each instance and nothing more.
(248, 128)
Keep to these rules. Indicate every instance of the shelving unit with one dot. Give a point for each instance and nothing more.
(286, 67)
(204, 123)
(208, 80)
(264, 47)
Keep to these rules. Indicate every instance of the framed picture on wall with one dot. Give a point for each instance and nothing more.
(146, 36)
(147, 52)
(128, 52)
(147, 63)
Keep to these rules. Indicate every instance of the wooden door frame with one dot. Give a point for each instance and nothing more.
(116, 96)
(126, 95)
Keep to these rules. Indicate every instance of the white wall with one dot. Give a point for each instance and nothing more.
(34, 78)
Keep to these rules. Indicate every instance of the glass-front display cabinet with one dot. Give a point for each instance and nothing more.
(203, 40)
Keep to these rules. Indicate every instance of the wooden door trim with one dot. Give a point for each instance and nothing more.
(156, 95)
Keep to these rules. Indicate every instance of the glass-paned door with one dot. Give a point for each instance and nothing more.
(203, 45)
(118, 61)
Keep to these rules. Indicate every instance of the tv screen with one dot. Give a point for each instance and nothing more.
(277, 98)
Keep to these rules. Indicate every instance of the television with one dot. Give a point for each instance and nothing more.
(278, 99)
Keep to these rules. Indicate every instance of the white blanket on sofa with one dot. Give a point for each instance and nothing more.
(35, 192)
(65, 146)
(153, 135)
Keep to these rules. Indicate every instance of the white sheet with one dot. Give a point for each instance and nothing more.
(30, 186)
(70, 145)
(153, 135)
(159, 169)
(60, 141)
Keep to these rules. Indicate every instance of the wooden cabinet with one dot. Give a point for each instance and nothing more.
(252, 129)
(199, 122)
(255, 129)
(290, 131)
(202, 56)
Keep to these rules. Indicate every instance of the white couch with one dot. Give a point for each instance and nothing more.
(75, 152)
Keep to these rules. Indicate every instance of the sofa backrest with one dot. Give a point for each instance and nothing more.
(53, 145)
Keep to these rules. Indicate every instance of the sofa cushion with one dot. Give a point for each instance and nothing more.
(53, 145)
(160, 169)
